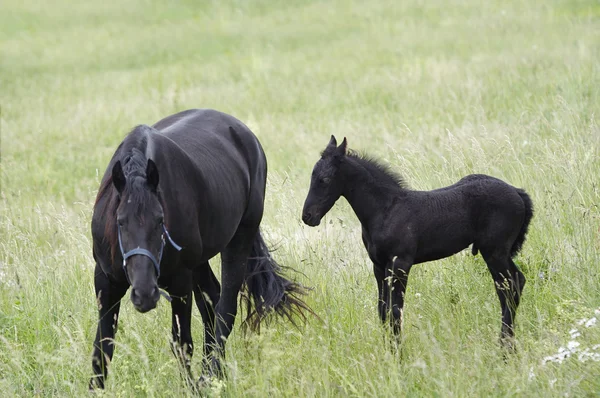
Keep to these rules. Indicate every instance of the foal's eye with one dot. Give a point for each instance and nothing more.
(325, 180)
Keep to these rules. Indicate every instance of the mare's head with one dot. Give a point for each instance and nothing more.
(326, 186)
(140, 227)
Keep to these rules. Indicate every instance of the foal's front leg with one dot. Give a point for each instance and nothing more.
(109, 296)
(382, 290)
(396, 279)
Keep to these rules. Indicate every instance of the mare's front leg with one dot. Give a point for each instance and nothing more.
(206, 293)
(397, 278)
(108, 294)
(180, 289)
(233, 271)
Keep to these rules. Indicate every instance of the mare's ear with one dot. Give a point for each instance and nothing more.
(118, 177)
(152, 175)
(341, 150)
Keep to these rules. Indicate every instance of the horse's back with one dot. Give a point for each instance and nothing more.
(498, 209)
(204, 124)
(484, 194)
(209, 134)
(452, 217)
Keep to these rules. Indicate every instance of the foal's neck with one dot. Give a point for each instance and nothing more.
(368, 189)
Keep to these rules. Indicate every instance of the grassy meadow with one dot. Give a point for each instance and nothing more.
(436, 89)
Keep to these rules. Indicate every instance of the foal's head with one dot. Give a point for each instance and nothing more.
(325, 184)
(141, 232)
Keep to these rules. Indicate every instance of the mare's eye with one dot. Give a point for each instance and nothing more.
(120, 223)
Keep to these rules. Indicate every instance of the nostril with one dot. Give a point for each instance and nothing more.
(306, 215)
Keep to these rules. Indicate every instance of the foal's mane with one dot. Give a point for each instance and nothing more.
(132, 155)
(379, 172)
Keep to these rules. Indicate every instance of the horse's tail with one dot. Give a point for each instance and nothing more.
(267, 290)
(516, 247)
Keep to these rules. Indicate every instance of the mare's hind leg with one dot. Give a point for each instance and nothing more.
(509, 283)
(180, 289)
(233, 271)
(206, 293)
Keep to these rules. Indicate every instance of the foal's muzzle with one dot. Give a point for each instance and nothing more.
(310, 219)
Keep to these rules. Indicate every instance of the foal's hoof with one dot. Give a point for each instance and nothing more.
(95, 385)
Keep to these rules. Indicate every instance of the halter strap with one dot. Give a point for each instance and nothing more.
(143, 252)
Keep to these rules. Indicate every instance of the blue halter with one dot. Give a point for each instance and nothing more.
(143, 252)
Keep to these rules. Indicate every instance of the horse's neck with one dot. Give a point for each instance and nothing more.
(367, 198)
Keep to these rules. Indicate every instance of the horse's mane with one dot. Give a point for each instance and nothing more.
(378, 171)
(131, 154)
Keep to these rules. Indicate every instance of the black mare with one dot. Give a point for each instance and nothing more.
(195, 179)
(402, 227)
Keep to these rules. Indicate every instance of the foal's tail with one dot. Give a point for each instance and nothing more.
(267, 290)
(516, 247)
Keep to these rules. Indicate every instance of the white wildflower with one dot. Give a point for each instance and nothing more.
(574, 333)
(572, 345)
(591, 322)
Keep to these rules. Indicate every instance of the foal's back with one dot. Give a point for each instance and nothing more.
(478, 209)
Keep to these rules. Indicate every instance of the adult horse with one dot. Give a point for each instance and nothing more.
(174, 195)
(402, 227)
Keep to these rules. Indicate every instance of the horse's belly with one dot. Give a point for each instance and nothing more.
(441, 248)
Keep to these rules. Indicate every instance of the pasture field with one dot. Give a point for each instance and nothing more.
(436, 89)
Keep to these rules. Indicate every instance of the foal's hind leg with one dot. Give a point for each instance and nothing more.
(509, 283)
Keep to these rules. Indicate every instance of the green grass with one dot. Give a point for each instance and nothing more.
(436, 89)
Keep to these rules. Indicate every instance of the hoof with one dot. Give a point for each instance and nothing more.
(210, 384)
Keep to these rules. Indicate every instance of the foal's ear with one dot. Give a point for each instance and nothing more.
(118, 177)
(341, 150)
(330, 148)
(152, 174)
(332, 142)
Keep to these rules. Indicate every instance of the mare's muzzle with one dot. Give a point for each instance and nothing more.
(142, 300)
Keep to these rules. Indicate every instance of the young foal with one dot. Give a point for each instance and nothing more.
(401, 227)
